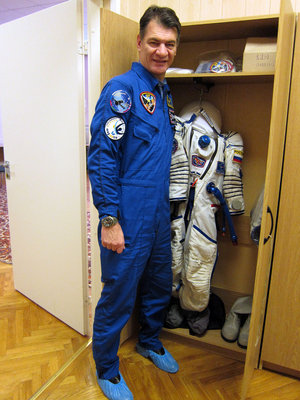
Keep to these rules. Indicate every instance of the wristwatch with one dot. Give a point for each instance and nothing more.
(109, 221)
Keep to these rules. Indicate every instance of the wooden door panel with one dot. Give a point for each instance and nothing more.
(281, 344)
(285, 42)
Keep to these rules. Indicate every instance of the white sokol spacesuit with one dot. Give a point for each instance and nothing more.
(205, 164)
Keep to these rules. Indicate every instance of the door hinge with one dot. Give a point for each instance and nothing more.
(83, 48)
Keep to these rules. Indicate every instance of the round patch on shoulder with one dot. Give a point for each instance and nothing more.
(115, 128)
(120, 101)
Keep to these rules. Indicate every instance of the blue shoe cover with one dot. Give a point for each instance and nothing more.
(165, 362)
(115, 391)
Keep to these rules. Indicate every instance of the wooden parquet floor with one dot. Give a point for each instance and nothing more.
(34, 345)
(203, 375)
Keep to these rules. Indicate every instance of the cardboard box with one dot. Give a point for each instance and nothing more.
(259, 55)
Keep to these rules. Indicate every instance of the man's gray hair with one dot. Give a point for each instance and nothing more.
(163, 15)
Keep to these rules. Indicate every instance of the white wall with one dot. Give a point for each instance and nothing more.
(198, 10)
(1, 134)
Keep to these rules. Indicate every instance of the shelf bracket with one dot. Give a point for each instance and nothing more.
(200, 81)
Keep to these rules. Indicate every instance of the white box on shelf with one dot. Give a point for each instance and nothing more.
(260, 54)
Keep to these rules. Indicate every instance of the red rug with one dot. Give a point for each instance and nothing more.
(5, 251)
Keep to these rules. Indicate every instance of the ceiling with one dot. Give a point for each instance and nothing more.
(12, 9)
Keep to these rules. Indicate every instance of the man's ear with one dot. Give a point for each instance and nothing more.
(138, 41)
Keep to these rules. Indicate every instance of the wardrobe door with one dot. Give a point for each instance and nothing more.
(281, 341)
(42, 103)
(285, 42)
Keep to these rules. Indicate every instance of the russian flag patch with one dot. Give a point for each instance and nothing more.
(237, 159)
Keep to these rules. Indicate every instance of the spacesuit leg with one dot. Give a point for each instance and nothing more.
(177, 244)
(200, 255)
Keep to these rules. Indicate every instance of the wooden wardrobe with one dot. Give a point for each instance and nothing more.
(257, 106)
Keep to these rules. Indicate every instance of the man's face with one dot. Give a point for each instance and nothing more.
(157, 49)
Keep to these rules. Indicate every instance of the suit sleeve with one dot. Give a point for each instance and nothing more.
(108, 132)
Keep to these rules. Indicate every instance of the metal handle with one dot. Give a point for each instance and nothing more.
(272, 224)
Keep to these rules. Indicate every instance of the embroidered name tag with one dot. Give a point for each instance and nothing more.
(220, 168)
(169, 101)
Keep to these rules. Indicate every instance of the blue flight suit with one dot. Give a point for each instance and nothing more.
(129, 166)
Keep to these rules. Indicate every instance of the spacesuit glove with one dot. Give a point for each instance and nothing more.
(113, 238)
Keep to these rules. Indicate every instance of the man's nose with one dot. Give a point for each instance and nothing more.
(162, 50)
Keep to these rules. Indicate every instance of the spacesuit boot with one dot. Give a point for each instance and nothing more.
(175, 316)
(198, 321)
(231, 328)
(244, 333)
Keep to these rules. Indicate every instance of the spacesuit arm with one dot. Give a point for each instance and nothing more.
(232, 185)
(179, 171)
(108, 131)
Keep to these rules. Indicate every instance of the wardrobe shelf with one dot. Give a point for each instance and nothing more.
(211, 340)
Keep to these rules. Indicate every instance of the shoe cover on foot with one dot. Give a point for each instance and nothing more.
(115, 391)
(165, 361)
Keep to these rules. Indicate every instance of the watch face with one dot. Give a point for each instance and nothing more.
(109, 221)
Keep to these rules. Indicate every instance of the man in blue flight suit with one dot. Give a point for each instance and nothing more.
(129, 166)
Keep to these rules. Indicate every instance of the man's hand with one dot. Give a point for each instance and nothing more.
(113, 238)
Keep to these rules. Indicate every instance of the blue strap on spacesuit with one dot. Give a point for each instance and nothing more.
(189, 207)
(211, 188)
(193, 117)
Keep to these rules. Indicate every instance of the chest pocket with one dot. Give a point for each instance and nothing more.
(144, 129)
